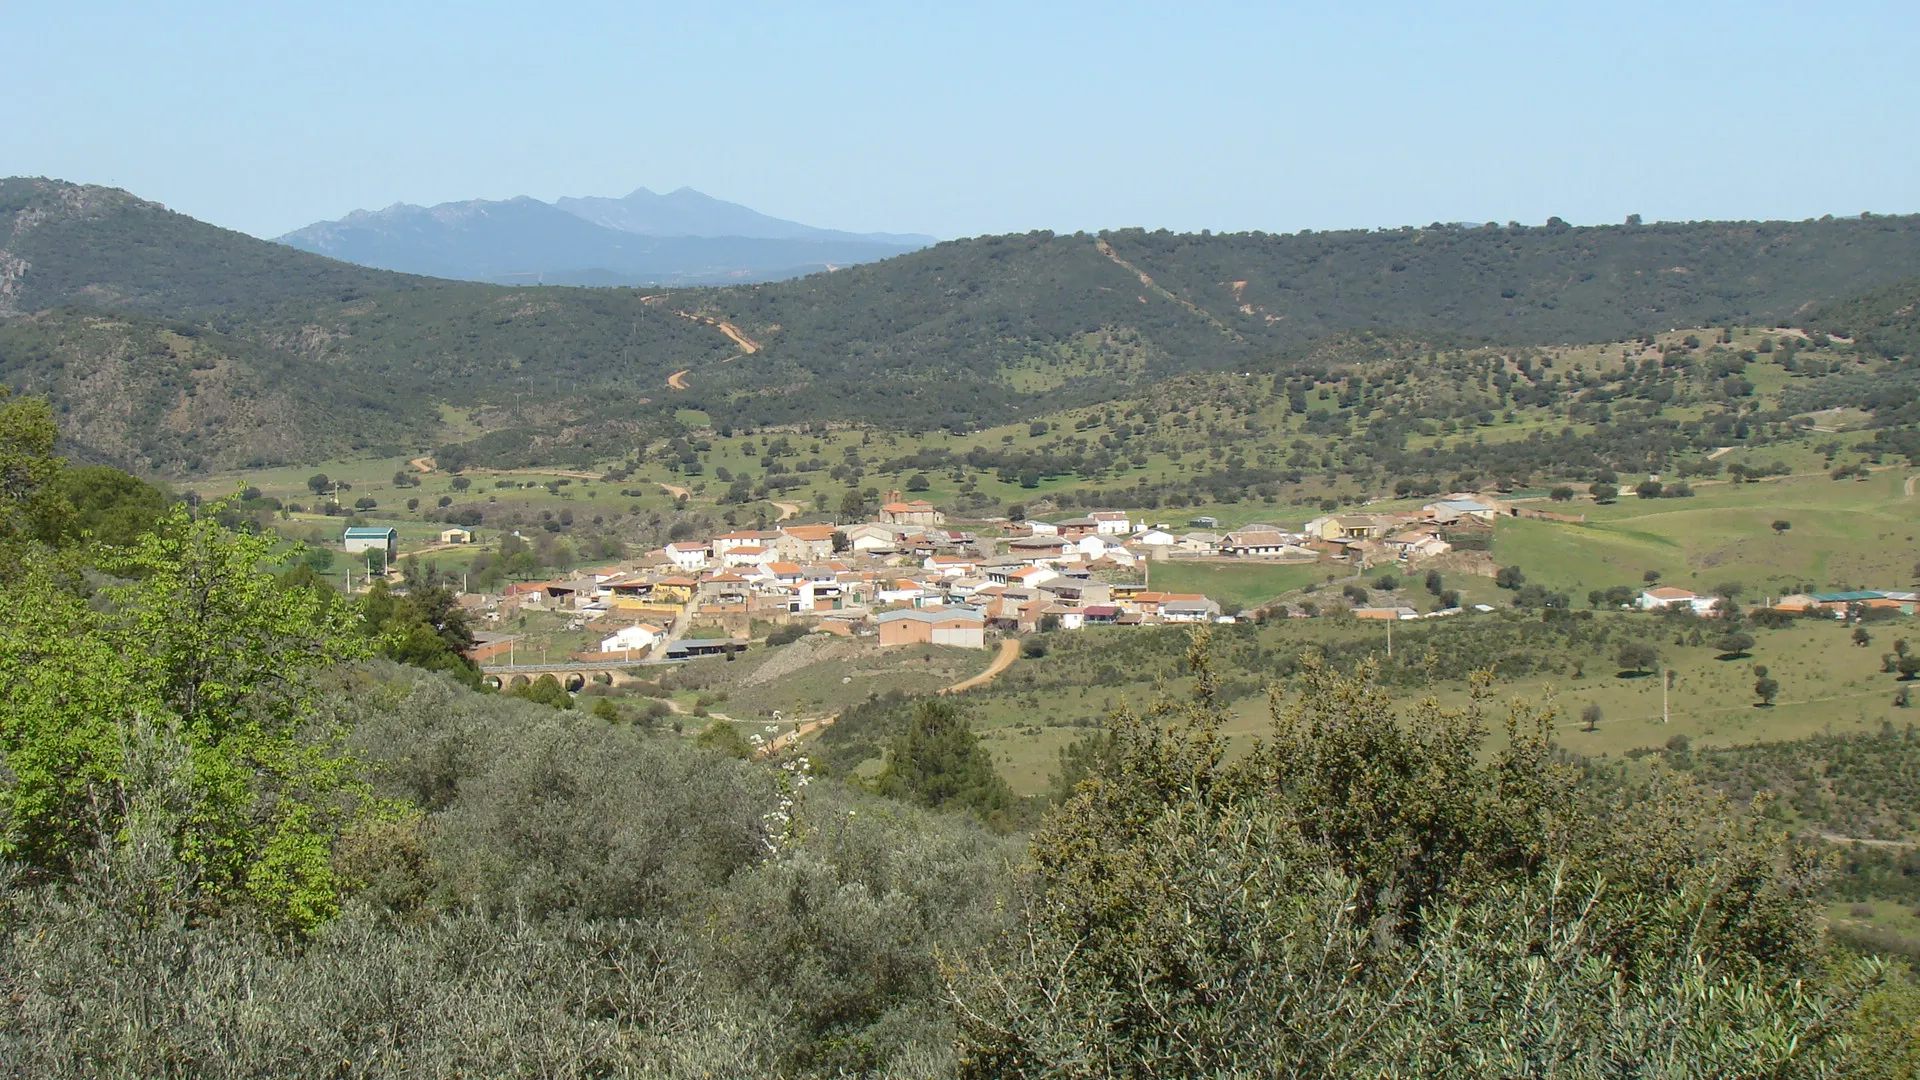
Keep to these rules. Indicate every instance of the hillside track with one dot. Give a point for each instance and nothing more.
(788, 510)
(1009, 652)
(678, 380)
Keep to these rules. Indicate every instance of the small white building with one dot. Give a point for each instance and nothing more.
(1111, 522)
(1667, 598)
(456, 535)
(690, 555)
(632, 638)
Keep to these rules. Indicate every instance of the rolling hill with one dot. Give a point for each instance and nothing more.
(961, 334)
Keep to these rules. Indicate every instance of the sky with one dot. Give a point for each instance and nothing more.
(984, 117)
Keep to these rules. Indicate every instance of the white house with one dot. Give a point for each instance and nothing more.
(1111, 522)
(1095, 545)
(689, 555)
(726, 542)
(1154, 538)
(1666, 597)
(632, 638)
(1042, 528)
(746, 555)
(1414, 544)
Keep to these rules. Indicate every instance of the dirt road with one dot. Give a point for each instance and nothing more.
(675, 490)
(747, 345)
(800, 731)
(424, 464)
(1009, 652)
(788, 509)
(1910, 483)
(678, 380)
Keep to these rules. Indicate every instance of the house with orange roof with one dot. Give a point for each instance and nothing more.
(805, 543)
(917, 512)
(786, 573)
(1668, 598)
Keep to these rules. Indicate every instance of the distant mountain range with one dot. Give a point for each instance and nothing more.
(680, 238)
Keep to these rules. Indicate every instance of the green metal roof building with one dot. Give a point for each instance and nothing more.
(369, 537)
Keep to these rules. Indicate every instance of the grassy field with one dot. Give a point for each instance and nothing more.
(1827, 684)
(1844, 534)
(1247, 584)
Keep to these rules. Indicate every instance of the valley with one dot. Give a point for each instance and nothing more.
(784, 619)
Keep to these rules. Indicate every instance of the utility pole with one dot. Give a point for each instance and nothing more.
(1666, 684)
(1390, 623)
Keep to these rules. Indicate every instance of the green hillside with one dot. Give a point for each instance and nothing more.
(962, 336)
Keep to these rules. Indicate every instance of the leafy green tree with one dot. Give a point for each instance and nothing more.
(1766, 689)
(1603, 492)
(1638, 656)
(938, 762)
(425, 626)
(853, 506)
(96, 503)
(319, 483)
(205, 649)
(1509, 577)
(724, 736)
(1733, 645)
(27, 465)
(1376, 895)
(545, 690)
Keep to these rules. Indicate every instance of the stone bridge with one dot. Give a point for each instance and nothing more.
(572, 674)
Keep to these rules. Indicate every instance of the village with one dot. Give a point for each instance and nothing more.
(909, 577)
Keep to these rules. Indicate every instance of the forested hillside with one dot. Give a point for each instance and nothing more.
(961, 335)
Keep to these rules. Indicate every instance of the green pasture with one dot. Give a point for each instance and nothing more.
(1843, 534)
(1243, 582)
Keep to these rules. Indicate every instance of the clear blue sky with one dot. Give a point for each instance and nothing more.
(960, 119)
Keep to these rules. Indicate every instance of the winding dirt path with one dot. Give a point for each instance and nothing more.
(674, 490)
(800, 731)
(424, 464)
(1009, 652)
(788, 510)
(678, 380)
(1910, 482)
(747, 345)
